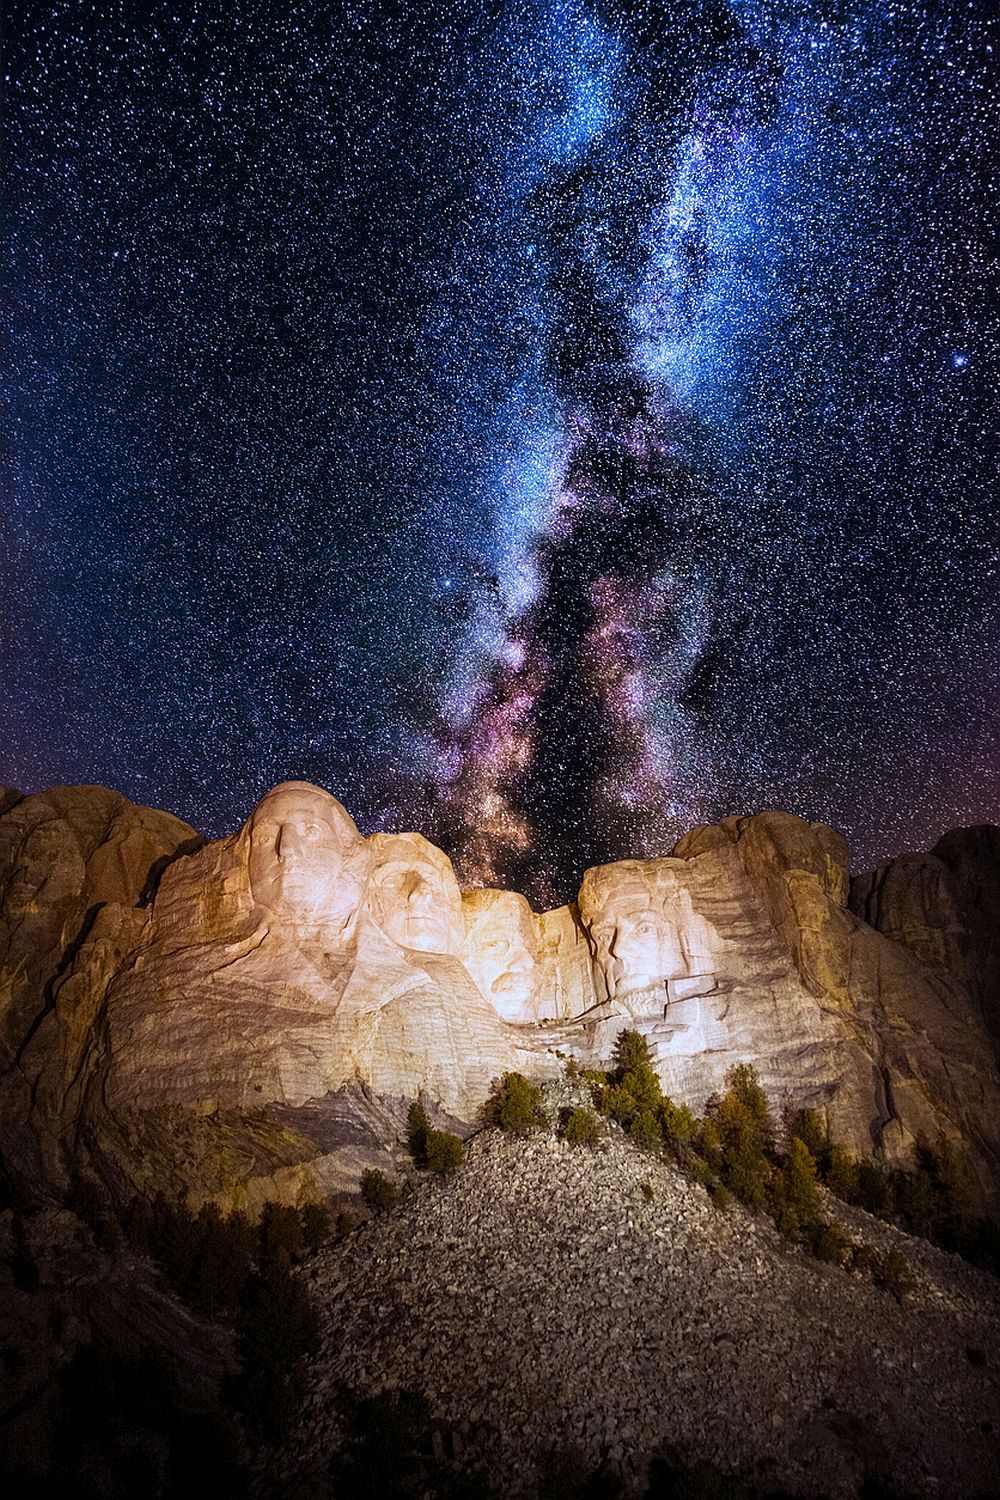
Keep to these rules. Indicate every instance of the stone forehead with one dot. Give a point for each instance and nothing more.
(480, 906)
(394, 851)
(290, 797)
(652, 881)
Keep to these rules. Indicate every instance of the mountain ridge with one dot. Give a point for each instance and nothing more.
(221, 1018)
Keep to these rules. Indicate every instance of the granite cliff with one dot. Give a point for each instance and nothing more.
(247, 1018)
(944, 906)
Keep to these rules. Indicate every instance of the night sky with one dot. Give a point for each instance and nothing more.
(548, 425)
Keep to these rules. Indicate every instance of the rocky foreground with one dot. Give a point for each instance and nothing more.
(559, 1319)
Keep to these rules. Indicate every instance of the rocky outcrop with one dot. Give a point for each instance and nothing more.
(64, 855)
(281, 988)
(183, 1035)
(240, 1019)
(944, 907)
(573, 1311)
(77, 867)
(749, 918)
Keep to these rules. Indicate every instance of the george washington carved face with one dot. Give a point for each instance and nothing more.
(307, 862)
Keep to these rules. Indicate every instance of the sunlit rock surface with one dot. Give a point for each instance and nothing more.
(248, 1018)
(276, 960)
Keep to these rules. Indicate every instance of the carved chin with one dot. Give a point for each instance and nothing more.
(511, 983)
(627, 984)
(423, 936)
(294, 908)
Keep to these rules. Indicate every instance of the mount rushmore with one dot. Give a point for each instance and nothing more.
(247, 1018)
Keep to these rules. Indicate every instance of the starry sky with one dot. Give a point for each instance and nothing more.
(547, 424)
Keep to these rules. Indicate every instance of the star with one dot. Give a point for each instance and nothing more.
(517, 422)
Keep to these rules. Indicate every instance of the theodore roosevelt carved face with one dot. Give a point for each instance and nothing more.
(414, 896)
(499, 950)
(307, 862)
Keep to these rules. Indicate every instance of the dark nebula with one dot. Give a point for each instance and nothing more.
(549, 425)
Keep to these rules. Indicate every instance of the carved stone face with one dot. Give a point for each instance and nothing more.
(499, 950)
(307, 861)
(414, 896)
(626, 909)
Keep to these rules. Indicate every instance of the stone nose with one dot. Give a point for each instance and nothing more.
(289, 842)
(420, 895)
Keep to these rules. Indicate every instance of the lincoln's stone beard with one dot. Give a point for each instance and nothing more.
(634, 916)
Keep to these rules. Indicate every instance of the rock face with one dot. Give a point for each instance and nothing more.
(945, 907)
(294, 957)
(231, 1018)
(742, 947)
(77, 867)
(64, 855)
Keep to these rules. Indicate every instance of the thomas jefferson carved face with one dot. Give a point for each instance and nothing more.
(626, 908)
(414, 896)
(307, 861)
(499, 950)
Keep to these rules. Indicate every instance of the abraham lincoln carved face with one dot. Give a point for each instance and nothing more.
(633, 915)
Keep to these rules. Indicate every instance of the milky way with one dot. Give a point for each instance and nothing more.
(547, 425)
